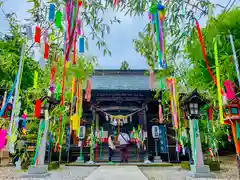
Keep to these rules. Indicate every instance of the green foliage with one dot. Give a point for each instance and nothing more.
(124, 66)
(198, 75)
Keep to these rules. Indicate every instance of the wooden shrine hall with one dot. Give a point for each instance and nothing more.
(122, 102)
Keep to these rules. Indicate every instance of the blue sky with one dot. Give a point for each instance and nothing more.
(119, 40)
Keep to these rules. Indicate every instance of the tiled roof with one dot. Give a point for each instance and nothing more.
(120, 80)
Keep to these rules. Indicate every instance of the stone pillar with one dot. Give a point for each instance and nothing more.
(198, 170)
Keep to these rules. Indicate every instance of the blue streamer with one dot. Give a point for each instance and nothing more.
(51, 15)
(8, 98)
(81, 45)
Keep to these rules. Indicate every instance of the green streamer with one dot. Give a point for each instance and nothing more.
(237, 131)
(157, 34)
(41, 129)
(58, 21)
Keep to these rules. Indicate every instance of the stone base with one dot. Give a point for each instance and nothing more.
(80, 160)
(90, 162)
(200, 171)
(39, 171)
(157, 159)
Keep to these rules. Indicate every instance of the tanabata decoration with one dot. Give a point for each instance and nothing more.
(237, 130)
(46, 49)
(210, 113)
(29, 33)
(41, 129)
(235, 59)
(81, 45)
(173, 101)
(45, 36)
(205, 57)
(160, 113)
(230, 92)
(37, 36)
(157, 12)
(8, 98)
(115, 3)
(218, 82)
(51, 15)
(35, 81)
(53, 71)
(58, 92)
(3, 138)
(88, 90)
(58, 20)
(38, 108)
(151, 79)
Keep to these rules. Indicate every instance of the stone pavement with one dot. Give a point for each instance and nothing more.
(117, 173)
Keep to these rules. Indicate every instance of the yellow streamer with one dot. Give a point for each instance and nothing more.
(35, 81)
(218, 82)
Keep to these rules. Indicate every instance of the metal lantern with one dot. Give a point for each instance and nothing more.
(192, 104)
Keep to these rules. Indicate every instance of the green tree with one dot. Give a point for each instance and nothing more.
(124, 66)
(197, 75)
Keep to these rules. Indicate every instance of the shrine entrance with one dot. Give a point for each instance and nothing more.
(121, 111)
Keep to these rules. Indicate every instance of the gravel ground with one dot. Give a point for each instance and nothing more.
(228, 172)
(64, 173)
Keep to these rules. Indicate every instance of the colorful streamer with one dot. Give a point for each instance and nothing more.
(37, 36)
(3, 138)
(205, 57)
(51, 15)
(35, 81)
(218, 82)
(230, 91)
(8, 98)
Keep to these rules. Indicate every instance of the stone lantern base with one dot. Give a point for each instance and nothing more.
(200, 171)
(39, 171)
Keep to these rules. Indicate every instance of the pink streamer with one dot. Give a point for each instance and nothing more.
(230, 92)
(160, 114)
(3, 134)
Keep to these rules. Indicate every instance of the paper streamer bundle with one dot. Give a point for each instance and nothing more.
(151, 79)
(173, 100)
(218, 82)
(157, 16)
(88, 90)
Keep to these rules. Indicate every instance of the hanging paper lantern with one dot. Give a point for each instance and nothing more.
(51, 12)
(81, 45)
(37, 36)
(38, 108)
(46, 51)
(58, 20)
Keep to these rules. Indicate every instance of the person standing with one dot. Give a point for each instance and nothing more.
(124, 139)
(111, 148)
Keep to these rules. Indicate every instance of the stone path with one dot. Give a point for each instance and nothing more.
(64, 173)
(117, 173)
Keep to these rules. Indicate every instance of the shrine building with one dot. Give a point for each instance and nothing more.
(121, 101)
